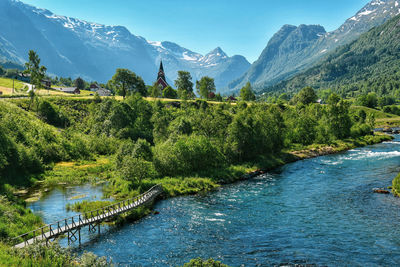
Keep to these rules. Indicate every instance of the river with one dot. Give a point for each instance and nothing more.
(319, 211)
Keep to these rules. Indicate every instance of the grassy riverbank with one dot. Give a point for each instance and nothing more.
(396, 186)
(214, 178)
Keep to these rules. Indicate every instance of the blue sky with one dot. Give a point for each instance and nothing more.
(237, 26)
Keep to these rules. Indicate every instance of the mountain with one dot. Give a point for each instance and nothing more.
(369, 64)
(215, 64)
(73, 47)
(294, 49)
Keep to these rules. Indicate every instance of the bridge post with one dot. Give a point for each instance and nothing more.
(79, 233)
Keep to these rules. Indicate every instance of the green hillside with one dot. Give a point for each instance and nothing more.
(369, 64)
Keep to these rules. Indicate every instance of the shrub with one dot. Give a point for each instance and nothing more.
(186, 155)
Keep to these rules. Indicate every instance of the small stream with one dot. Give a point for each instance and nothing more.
(319, 211)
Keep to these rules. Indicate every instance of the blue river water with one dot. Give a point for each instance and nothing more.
(319, 211)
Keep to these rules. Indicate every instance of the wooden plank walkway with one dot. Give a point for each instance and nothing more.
(73, 224)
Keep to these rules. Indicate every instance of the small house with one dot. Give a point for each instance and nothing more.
(46, 83)
(94, 87)
(103, 92)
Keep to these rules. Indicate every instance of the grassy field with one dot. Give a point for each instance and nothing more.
(382, 119)
(6, 86)
(78, 172)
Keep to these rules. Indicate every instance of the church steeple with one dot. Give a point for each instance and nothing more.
(161, 81)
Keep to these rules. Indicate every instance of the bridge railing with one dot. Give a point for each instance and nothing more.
(98, 215)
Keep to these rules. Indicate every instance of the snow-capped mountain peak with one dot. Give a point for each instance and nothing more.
(74, 47)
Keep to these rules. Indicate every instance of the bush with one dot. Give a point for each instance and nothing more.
(137, 169)
(50, 114)
(198, 262)
(186, 155)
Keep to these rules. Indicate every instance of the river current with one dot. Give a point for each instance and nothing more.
(319, 211)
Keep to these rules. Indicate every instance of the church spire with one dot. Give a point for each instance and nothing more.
(161, 81)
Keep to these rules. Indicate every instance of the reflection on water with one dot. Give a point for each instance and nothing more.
(52, 205)
(318, 211)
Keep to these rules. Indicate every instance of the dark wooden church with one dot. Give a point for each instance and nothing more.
(161, 81)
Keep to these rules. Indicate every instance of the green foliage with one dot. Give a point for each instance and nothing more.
(49, 113)
(185, 155)
(184, 85)
(254, 131)
(370, 100)
(306, 96)
(155, 90)
(47, 256)
(28, 144)
(205, 87)
(198, 262)
(80, 83)
(169, 92)
(218, 97)
(396, 186)
(15, 220)
(302, 124)
(338, 117)
(86, 206)
(36, 71)
(126, 82)
(122, 120)
(136, 169)
(246, 93)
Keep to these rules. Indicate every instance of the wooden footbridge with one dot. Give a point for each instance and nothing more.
(72, 225)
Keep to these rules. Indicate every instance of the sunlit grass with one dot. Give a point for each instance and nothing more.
(67, 173)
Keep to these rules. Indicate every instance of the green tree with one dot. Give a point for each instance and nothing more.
(205, 86)
(36, 71)
(80, 83)
(218, 97)
(306, 96)
(2, 71)
(184, 84)
(338, 117)
(169, 92)
(155, 90)
(370, 100)
(126, 82)
(246, 93)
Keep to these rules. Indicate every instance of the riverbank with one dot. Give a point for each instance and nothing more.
(192, 185)
(314, 151)
(396, 186)
(213, 179)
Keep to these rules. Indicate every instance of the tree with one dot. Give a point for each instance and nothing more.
(80, 83)
(246, 93)
(2, 71)
(127, 82)
(218, 97)
(205, 86)
(155, 90)
(36, 71)
(338, 117)
(184, 84)
(306, 96)
(169, 92)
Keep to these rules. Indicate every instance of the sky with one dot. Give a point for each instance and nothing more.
(239, 27)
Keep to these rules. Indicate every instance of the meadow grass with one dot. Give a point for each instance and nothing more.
(74, 173)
